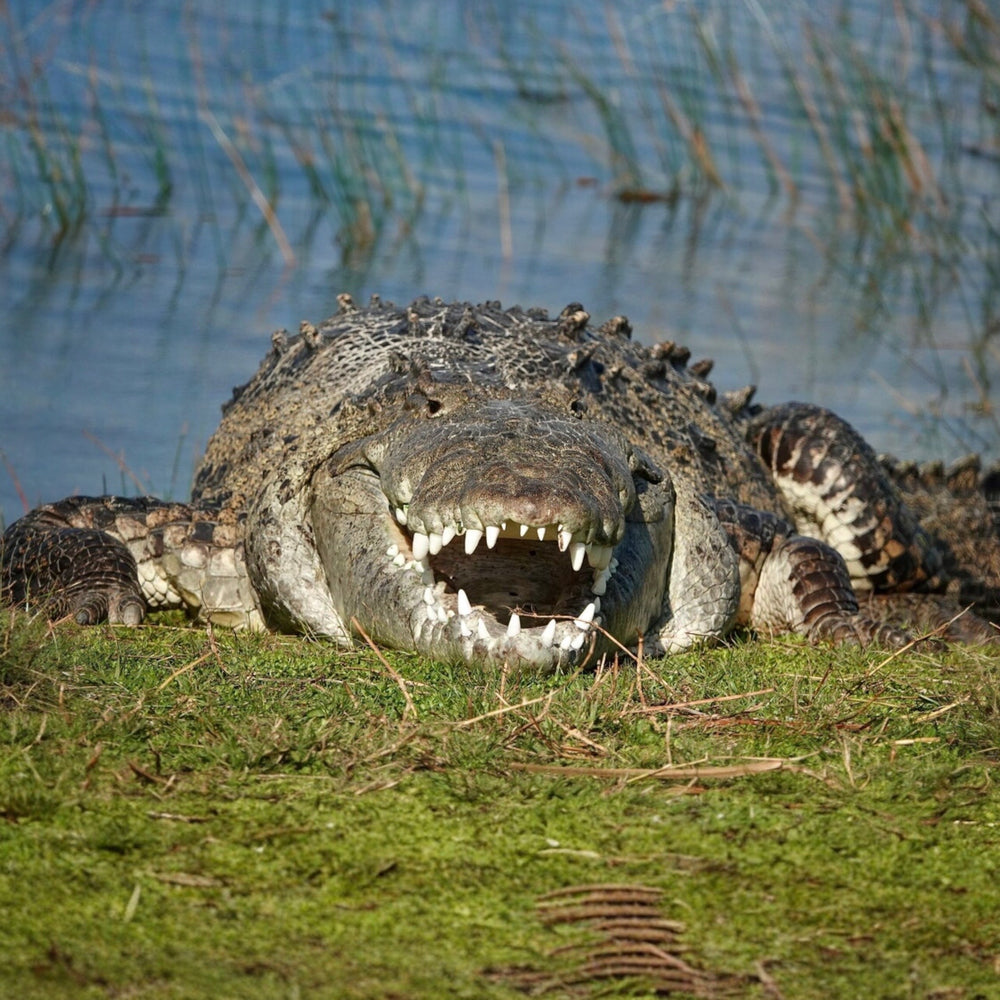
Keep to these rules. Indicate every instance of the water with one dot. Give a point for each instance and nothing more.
(850, 255)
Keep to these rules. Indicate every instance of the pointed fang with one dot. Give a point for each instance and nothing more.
(421, 546)
(492, 534)
(513, 626)
(577, 550)
(548, 633)
(472, 539)
(464, 607)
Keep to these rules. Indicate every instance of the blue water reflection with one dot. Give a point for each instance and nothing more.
(178, 181)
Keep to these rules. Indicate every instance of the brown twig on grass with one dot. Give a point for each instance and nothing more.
(183, 670)
(695, 773)
(504, 709)
(410, 709)
(656, 709)
(214, 646)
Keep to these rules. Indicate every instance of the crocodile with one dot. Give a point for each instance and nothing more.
(508, 487)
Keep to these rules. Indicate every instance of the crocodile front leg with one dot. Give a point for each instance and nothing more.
(703, 586)
(109, 558)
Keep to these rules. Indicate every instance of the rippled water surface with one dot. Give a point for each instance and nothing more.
(808, 196)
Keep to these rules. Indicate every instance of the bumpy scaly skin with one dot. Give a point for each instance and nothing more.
(496, 485)
(65, 570)
(99, 558)
(831, 482)
(960, 508)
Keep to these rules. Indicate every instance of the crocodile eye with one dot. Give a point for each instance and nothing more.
(417, 402)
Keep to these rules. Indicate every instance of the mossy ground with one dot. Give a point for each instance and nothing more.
(187, 815)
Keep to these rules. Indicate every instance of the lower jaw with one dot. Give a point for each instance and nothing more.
(520, 602)
(489, 645)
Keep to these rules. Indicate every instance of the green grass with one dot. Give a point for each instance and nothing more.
(187, 815)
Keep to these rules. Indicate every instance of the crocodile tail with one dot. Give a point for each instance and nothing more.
(960, 507)
(834, 488)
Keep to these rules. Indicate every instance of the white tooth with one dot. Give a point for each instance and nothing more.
(484, 632)
(541, 533)
(523, 529)
(548, 633)
(586, 616)
(463, 627)
(565, 537)
(599, 556)
(441, 614)
(464, 607)
(401, 516)
(600, 584)
(492, 534)
(392, 551)
(503, 525)
(513, 626)
(399, 560)
(566, 640)
(577, 550)
(472, 537)
(428, 596)
(578, 641)
(420, 545)
(447, 535)
(613, 565)
(434, 543)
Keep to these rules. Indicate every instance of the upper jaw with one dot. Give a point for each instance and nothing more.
(576, 543)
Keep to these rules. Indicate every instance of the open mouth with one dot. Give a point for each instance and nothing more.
(510, 586)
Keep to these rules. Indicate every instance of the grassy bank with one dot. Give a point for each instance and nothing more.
(188, 815)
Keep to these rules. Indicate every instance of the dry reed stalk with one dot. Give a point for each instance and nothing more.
(669, 773)
(410, 709)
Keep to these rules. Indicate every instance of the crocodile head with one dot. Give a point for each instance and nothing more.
(495, 528)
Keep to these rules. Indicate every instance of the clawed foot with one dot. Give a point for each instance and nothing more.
(111, 604)
(75, 573)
